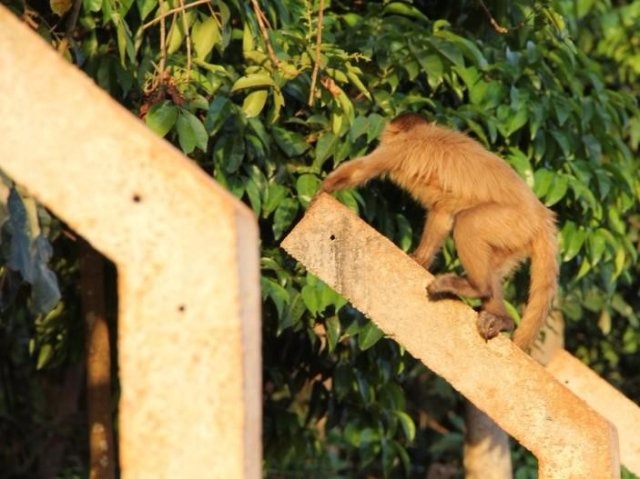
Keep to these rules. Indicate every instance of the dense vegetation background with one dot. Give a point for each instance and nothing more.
(267, 96)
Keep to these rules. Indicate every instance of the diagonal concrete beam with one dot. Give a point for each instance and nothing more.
(569, 439)
(604, 398)
(186, 253)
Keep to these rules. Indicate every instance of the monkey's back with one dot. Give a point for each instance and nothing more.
(440, 164)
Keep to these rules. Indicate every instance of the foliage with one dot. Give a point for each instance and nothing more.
(234, 85)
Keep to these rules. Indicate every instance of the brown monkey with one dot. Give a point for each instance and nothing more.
(496, 219)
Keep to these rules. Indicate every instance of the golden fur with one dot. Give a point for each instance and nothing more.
(496, 219)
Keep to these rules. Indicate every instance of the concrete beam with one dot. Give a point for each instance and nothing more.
(623, 413)
(569, 439)
(186, 253)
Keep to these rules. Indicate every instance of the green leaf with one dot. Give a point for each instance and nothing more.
(408, 426)
(345, 104)
(557, 191)
(145, 7)
(572, 240)
(191, 132)
(161, 117)
(291, 143)
(404, 9)
(253, 80)
(94, 5)
(284, 216)
(543, 181)
(470, 76)
(307, 186)
(522, 165)
(205, 35)
(584, 193)
(255, 188)
(430, 63)
(175, 37)
(233, 183)
(376, 125)
(276, 293)
(404, 232)
(332, 327)
(353, 73)
(254, 103)
(448, 51)
(248, 44)
(310, 298)
(563, 140)
(597, 244)
(369, 335)
(293, 313)
(468, 48)
(277, 104)
(229, 152)
(44, 356)
(324, 148)
(493, 95)
(563, 108)
(220, 110)
(358, 128)
(275, 194)
(253, 193)
(123, 37)
(515, 122)
(583, 7)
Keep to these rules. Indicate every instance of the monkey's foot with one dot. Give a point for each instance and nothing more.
(421, 260)
(448, 285)
(490, 325)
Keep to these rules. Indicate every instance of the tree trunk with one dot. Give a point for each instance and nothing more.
(486, 449)
(100, 421)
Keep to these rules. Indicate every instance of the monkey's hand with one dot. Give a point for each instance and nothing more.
(490, 325)
(325, 187)
(335, 181)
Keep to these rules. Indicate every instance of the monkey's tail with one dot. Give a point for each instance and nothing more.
(544, 283)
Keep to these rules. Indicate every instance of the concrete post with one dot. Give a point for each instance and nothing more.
(187, 259)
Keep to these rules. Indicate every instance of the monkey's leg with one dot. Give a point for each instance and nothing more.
(436, 229)
(485, 267)
(474, 253)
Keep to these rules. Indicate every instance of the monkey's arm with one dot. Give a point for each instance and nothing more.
(436, 229)
(356, 172)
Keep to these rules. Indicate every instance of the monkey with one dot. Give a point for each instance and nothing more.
(495, 218)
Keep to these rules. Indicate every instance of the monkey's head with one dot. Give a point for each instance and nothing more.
(400, 125)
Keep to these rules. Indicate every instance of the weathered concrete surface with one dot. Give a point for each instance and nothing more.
(605, 399)
(187, 259)
(569, 439)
